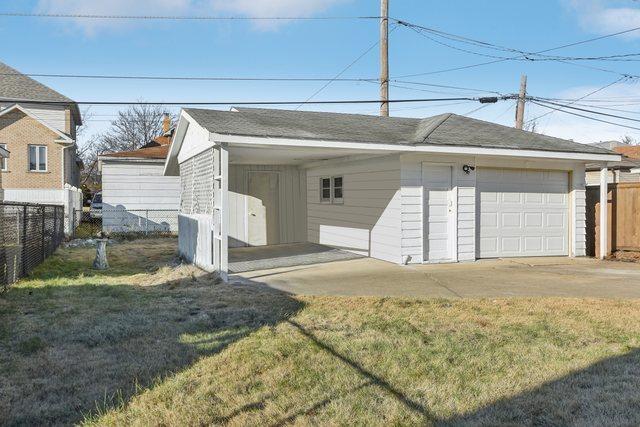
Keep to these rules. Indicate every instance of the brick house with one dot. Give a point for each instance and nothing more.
(44, 165)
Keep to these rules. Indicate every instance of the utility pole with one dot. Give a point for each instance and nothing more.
(521, 98)
(384, 58)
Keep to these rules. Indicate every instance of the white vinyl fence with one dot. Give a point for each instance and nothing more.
(70, 197)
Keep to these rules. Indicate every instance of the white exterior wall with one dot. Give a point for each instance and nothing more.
(368, 220)
(465, 186)
(69, 197)
(292, 203)
(139, 186)
(413, 208)
(579, 207)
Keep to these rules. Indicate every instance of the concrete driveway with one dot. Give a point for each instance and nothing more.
(522, 277)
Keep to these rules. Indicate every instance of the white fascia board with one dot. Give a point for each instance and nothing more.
(443, 149)
(64, 139)
(171, 165)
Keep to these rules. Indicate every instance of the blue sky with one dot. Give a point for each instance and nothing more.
(323, 48)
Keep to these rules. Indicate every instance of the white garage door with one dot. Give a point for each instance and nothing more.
(522, 212)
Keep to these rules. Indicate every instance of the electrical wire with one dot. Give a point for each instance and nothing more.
(585, 110)
(345, 69)
(224, 103)
(587, 117)
(579, 99)
(522, 55)
(195, 78)
(182, 17)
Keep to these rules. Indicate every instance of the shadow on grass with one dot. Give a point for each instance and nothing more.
(605, 393)
(69, 351)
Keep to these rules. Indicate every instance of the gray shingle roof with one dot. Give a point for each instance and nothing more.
(15, 85)
(444, 129)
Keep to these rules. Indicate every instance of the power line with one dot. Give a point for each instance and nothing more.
(345, 69)
(587, 117)
(522, 55)
(196, 78)
(585, 110)
(182, 17)
(358, 101)
(578, 99)
(445, 86)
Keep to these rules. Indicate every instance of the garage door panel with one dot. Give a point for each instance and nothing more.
(522, 213)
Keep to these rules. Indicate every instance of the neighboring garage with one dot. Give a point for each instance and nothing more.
(523, 212)
(408, 191)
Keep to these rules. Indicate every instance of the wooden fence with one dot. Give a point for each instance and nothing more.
(623, 213)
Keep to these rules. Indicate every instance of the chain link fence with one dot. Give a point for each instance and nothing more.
(125, 223)
(29, 233)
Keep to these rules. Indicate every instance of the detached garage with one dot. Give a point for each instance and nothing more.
(440, 189)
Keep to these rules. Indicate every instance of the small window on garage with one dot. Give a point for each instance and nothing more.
(337, 189)
(325, 190)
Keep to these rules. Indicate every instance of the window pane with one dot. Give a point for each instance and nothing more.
(42, 158)
(326, 183)
(326, 193)
(337, 181)
(337, 193)
(32, 158)
(3, 160)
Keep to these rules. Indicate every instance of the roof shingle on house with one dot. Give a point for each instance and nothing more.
(445, 129)
(153, 152)
(15, 87)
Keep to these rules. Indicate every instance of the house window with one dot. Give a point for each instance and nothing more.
(4, 162)
(331, 189)
(337, 189)
(325, 190)
(38, 158)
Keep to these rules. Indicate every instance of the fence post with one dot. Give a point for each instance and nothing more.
(43, 242)
(24, 240)
(146, 223)
(54, 235)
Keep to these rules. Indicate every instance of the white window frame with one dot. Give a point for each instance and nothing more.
(331, 199)
(46, 158)
(322, 198)
(337, 200)
(4, 162)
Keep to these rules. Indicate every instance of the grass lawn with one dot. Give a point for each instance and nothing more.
(153, 343)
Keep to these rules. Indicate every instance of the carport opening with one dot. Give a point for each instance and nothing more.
(269, 199)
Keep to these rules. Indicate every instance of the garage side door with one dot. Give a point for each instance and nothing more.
(522, 213)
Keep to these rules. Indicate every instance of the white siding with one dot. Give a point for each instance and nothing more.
(580, 212)
(292, 208)
(139, 187)
(53, 115)
(412, 207)
(368, 220)
(134, 185)
(412, 210)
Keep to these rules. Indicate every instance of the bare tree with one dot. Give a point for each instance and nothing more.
(133, 128)
(629, 140)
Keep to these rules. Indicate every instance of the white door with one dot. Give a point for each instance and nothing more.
(262, 208)
(522, 212)
(439, 212)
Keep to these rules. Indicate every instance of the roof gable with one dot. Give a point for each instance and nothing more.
(17, 107)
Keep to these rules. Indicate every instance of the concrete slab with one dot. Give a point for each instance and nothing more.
(526, 277)
(285, 255)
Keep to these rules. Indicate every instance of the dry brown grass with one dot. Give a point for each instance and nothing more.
(148, 345)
